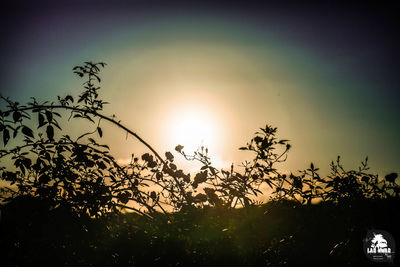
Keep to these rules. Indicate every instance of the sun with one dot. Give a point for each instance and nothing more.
(193, 129)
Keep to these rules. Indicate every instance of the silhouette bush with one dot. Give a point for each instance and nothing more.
(81, 173)
(63, 195)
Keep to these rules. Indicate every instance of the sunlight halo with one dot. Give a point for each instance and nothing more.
(193, 128)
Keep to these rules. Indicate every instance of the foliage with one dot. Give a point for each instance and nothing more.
(340, 185)
(81, 173)
(63, 196)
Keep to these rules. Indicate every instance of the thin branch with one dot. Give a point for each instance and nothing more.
(77, 109)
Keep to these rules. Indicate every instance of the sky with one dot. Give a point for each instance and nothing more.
(207, 73)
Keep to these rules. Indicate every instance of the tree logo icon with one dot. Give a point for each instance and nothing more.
(379, 246)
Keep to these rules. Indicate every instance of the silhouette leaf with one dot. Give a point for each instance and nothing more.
(100, 131)
(172, 166)
(50, 132)
(147, 157)
(179, 148)
(365, 179)
(200, 197)
(391, 177)
(200, 177)
(101, 165)
(27, 131)
(44, 179)
(6, 136)
(169, 156)
(41, 120)
(49, 116)
(68, 97)
(15, 132)
(16, 116)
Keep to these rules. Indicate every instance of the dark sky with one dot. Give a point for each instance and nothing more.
(366, 33)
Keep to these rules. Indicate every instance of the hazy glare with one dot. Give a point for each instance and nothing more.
(235, 75)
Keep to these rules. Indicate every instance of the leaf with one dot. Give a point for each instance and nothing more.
(297, 182)
(147, 157)
(89, 163)
(200, 197)
(257, 139)
(152, 164)
(55, 123)
(186, 178)
(6, 136)
(50, 132)
(89, 118)
(27, 162)
(101, 165)
(49, 116)
(68, 97)
(179, 148)
(27, 131)
(16, 116)
(41, 120)
(100, 131)
(200, 177)
(124, 197)
(172, 166)
(22, 168)
(16, 131)
(179, 174)
(169, 156)
(391, 177)
(211, 194)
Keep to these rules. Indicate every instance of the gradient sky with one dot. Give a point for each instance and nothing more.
(326, 75)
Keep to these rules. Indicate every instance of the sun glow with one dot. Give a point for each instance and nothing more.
(193, 129)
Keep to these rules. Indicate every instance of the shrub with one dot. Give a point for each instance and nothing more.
(81, 174)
